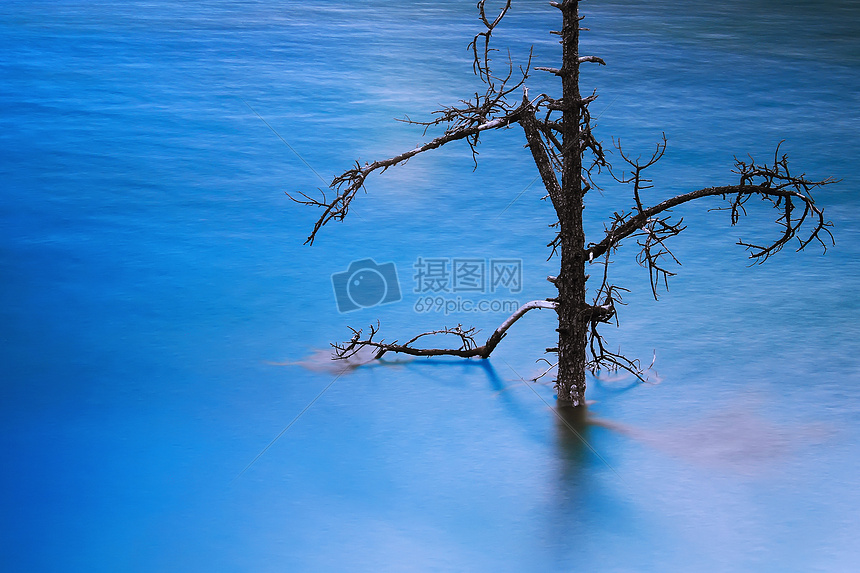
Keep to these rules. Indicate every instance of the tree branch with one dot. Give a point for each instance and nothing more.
(539, 153)
(347, 184)
(771, 183)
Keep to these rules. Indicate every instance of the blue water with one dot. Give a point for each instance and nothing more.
(161, 321)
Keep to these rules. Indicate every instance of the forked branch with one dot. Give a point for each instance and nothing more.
(481, 62)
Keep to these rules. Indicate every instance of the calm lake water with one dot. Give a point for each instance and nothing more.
(162, 323)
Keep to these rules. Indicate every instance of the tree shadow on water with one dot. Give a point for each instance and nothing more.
(577, 439)
(587, 500)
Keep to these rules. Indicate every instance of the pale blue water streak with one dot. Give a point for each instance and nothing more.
(155, 291)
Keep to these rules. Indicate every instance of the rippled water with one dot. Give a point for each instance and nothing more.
(162, 323)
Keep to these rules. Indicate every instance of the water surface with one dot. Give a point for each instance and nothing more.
(159, 309)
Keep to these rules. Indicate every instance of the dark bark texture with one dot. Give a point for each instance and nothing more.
(572, 327)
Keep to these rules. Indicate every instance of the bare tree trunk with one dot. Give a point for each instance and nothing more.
(573, 326)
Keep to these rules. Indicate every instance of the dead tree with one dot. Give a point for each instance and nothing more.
(569, 159)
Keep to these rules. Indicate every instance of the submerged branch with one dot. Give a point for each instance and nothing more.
(468, 347)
